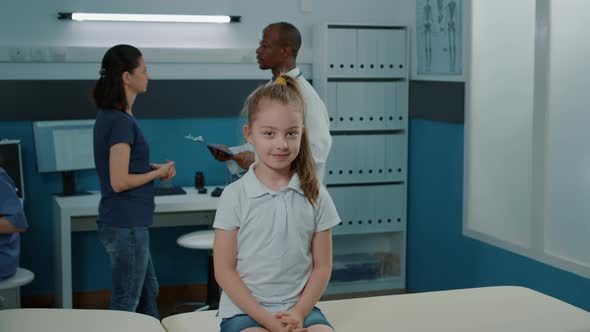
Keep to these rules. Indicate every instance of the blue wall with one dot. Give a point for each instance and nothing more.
(90, 263)
(439, 256)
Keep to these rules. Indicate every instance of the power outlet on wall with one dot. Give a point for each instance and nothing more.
(39, 54)
(18, 54)
(36, 54)
(58, 54)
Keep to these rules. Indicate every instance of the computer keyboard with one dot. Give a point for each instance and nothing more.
(163, 191)
(217, 192)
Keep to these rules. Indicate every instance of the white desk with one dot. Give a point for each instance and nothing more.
(78, 213)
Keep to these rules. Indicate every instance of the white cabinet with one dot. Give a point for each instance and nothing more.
(361, 72)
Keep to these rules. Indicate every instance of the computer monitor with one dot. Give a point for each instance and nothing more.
(11, 161)
(66, 147)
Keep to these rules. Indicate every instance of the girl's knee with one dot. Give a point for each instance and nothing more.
(320, 328)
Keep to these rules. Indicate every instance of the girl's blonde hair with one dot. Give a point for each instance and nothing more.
(286, 91)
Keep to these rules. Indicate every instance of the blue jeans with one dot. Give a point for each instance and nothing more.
(135, 287)
(242, 321)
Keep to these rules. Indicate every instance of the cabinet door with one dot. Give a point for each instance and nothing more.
(370, 262)
(349, 98)
(378, 97)
(393, 98)
(367, 52)
(370, 209)
(366, 159)
(395, 164)
(335, 164)
(332, 105)
(361, 106)
(400, 117)
(348, 207)
(390, 207)
(391, 52)
(341, 52)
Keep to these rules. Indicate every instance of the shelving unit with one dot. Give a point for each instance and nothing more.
(361, 72)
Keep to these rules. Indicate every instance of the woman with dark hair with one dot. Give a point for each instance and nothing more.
(121, 156)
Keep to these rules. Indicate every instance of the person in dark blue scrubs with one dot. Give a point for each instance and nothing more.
(12, 223)
(122, 159)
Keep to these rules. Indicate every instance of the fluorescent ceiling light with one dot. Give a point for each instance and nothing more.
(149, 18)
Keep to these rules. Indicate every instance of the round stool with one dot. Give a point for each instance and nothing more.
(10, 288)
(203, 240)
(197, 240)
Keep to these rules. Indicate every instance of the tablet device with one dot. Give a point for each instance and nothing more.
(200, 139)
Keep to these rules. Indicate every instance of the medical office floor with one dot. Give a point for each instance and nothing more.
(169, 299)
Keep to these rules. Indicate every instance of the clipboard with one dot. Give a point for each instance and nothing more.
(200, 139)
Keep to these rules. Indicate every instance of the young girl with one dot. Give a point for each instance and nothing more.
(273, 238)
(121, 155)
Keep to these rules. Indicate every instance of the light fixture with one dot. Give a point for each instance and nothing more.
(149, 18)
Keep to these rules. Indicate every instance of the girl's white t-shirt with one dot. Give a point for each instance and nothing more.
(275, 230)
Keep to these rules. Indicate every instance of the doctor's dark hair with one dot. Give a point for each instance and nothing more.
(289, 36)
(109, 91)
(285, 90)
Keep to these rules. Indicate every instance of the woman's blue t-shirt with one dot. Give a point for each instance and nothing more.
(133, 207)
(11, 209)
